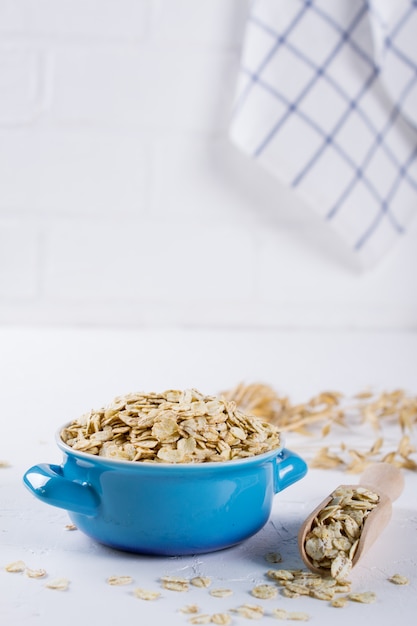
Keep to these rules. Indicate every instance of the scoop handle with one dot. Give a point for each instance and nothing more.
(385, 478)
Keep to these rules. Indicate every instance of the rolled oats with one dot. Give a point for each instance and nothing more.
(174, 583)
(334, 535)
(297, 588)
(200, 619)
(397, 579)
(250, 611)
(273, 557)
(322, 593)
(35, 573)
(119, 580)
(145, 594)
(16, 567)
(189, 609)
(296, 583)
(264, 592)
(339, 602)
(171, 427)
(288, 593)
(280, 613)
(223, 619)
(58, 584)
(200, 581)
(341, 566)
(71, 527)
(365, 598)
(221, 592)
(298, 616)
(327, 408)
(281, 574)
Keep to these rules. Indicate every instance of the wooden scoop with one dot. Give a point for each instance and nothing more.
(383, 479)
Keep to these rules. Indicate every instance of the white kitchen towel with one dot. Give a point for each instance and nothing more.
(327, 102)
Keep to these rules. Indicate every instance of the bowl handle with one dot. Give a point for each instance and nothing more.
(289, 469)
(48, 483)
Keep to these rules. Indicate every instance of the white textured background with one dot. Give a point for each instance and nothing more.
(122, 201)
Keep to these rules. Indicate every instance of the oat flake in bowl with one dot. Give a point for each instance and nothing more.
(171, 427)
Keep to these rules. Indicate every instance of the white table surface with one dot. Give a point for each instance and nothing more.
(50, 376)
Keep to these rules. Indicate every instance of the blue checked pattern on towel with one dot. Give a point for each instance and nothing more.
(327, 102)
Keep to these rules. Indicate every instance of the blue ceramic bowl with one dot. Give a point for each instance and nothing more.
(161, 508)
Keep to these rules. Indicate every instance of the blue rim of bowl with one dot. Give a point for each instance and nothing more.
(102, 460)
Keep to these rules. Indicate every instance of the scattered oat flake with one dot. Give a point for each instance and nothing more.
(200, 581)
(264, 592)
(324, 459)
(35, 573)
(296, 583)
(119, 580)
(365, 598)
(340, 602)
(58, 584)
(200, 619)
(221, 593)
(190, 609)
(298, 616)
(290, 594)
(250, 611)
(273, 557)
(71, 527)
(398, 579)
(4, 464)
(280, 613)
(144, 594)
(321, 412)
(280, 574)
(322, 593)
(222, 619)
(341, 567)
(16, 567)
(173, 583)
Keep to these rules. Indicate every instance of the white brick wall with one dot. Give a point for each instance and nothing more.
(73, 20)
(72, 171)
(122, 201)
(20, 101)
(19, 257)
